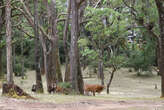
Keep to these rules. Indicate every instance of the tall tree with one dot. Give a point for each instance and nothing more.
(39, 85)
(65, 38)
(75, 69)
(160, 7)
(2, 19)
(8, 43)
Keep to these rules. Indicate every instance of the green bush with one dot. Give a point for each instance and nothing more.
(65, 85)
(142, 59)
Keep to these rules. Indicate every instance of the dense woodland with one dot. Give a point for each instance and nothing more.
(43, 35)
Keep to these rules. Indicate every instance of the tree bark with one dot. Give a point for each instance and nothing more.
(101, 72)
(80, 77)
(110, 80)
(75, 69)
(160, 7)
(8, 43)
(22, 59)
(39, 85)
(55, 41)
(74, 47)
(101, 67)
(158, 54)
(67, 65)
(2, 16)
(1, 71)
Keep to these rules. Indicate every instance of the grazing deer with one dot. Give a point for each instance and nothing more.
(93, 88)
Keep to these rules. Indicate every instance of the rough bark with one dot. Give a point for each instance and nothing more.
(1, 71)
(58, 67)
(80, 77)
(74, 47)
(55, 41)
(8, 43)
(160, 7)
(2, 17)
(54, 71)
(67, 73)
(39, 85)
(75, 69)
(65, 38)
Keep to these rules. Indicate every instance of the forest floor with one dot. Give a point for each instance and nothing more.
(127, 92)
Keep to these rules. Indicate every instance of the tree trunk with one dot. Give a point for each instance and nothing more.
(74, 47)
(67, 65)
(67, 73)
(22, 59)
(101, 72)
(39, 85)
(49, 53)
(42, 40)
(8, 43)
(2, 17)
(53, 56)
(158, 54)
(55, 42)
(1, 71)
(100, 67)
(160, 7)
(80, 77)
(58, 67)
(110, 80)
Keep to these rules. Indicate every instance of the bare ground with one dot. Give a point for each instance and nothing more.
(15, 104)
(127, 92)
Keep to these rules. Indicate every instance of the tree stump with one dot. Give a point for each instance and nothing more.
(14, 91)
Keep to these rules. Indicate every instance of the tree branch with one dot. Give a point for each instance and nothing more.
(19, 28)
(31, 20)
(79, 2)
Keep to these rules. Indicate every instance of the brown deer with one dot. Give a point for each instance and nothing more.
(93, 88)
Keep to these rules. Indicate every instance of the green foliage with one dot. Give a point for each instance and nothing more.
(65, 85)
(117, 61)
(142, 58)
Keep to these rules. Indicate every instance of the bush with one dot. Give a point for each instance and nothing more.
(142, 59)
(65, 85)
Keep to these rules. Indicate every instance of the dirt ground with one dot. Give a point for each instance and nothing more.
(127, 92)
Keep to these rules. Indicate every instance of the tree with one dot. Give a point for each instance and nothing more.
(75, 68)
(39, 85)
(65, 40)
(105, 33)
(9, 43)
(49, 41)
(160, 7)
(144, 50)
(74, 46)
(2, 19)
